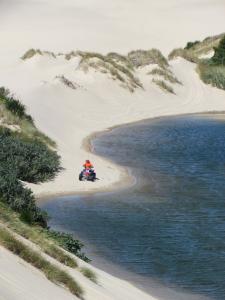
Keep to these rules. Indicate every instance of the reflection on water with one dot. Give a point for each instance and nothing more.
(170, 226)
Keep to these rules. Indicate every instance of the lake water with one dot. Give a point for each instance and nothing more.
(168, 229)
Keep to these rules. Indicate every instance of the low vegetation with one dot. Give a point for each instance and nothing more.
(67, 82)
(140, 58)
(24, 159)
(116, 66)
(193, 51)
(166, 74)
(13, 116)
(163, 85)
(32, 52)
(48, 240)
(191, 44)
(89, 274)
(68, 242)
(52, 272)
(212, 71)
(25, 155)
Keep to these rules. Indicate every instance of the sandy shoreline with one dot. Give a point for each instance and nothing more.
(126, 178)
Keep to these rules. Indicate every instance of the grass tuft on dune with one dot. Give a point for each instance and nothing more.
(53, 273)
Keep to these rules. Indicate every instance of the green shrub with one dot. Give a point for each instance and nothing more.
(24, 160)
(30, 160)
(68, 242)
(191, 44)
(219, 55)
(52, 272)
(36, 234)
(214, 75)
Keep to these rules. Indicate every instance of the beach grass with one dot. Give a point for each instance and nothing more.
(89, 274)
(22, 122)
(35, 234)
(163, 85)
(53, 273)
(166, 74)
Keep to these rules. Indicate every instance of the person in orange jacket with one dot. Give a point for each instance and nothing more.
(88, 165)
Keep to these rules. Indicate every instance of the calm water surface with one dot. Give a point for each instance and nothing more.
(170, 226)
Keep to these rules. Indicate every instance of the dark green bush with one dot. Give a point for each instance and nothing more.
(191, 44)
(219, 55)
(24, 160)
(67, 242)
(212, 74)
(30, 160)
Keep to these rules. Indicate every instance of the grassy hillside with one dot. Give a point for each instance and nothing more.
(212, 71)
(209, 55)
(27, 155)
(195, 51)
(123, 69)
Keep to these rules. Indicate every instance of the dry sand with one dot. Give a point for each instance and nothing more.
(69, 116)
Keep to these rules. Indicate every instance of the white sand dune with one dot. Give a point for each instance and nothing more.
(69, 116)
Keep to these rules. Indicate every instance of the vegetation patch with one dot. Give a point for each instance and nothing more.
(194, 50)
(212, 71)
(166, 74)
(89, 274)
(48, 240)
(27, 160)
(53, 273)
(32, 52)
(141, 58)
(13, 114)
(68, 242)
(67, 82)
(25, 156)
(191, 44)
(119, 69)
(214, 75)
(163, 85)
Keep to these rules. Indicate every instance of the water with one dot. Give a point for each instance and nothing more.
(169, 226)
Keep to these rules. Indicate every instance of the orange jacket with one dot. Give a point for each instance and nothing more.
(87, 165)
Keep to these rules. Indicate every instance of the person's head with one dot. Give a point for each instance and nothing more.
(87, 161)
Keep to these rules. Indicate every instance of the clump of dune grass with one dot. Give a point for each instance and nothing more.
(32, 52)
(166, 74)
(67, 82)
(119, 68)
(70, 55)
(53, 273)
(35, 234)
(163, 85)
(187, 54)
(89, 274)
(140, 58)
(214, 75)
(120, 59)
